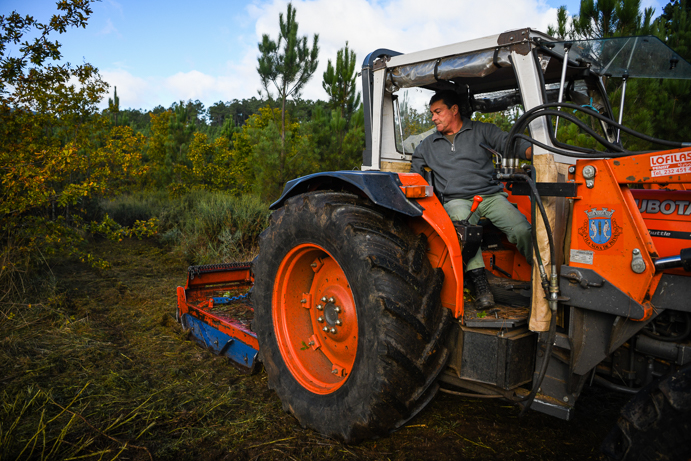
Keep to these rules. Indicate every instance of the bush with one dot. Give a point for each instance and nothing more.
(207, 227)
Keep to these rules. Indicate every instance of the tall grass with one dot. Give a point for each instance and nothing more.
(206, 227)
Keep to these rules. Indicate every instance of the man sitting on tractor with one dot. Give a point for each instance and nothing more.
(462, 169)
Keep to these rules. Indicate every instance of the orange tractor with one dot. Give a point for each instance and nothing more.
(355, 305)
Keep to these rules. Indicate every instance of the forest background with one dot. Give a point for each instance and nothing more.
(92, 363)
(201, 178)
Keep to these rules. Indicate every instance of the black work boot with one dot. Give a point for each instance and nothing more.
(483, 296)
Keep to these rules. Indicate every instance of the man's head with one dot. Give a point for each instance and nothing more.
(446, 112)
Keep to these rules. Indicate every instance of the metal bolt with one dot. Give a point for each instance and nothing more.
(320, 319)
(325, 329)
(566, 399)
(339, 323)
(311, 343)
(323, 299)
(313, 265)
(334, 371)
(636, 251)
(589, 183)
(333, 331)
(589, 172)
(303, 301)
(320, 307)
(337, 309)
(572, 169)
(332, 300)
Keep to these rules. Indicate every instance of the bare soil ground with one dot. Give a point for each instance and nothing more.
(104, 372)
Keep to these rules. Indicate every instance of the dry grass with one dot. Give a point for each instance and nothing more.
(102, 371)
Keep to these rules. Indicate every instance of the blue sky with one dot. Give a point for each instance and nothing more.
(158, 52)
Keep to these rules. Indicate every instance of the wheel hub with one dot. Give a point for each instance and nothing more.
(331, 314)
(318, 340)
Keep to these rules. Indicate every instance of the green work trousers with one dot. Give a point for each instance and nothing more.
(502, 214)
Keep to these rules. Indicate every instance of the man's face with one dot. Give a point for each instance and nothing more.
(446, 120)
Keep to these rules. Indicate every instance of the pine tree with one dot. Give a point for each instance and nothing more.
(339, 83)
(288, 64)
(114, 106)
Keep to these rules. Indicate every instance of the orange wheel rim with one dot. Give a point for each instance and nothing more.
(315, 319)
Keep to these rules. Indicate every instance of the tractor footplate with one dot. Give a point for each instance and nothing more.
(511, 310)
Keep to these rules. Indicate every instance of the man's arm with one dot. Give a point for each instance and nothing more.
(496, 138)
(418, 160)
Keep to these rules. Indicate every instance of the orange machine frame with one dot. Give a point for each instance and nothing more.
(608, 193)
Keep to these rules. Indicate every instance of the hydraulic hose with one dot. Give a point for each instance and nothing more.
(616, 150)
(551, 287)
(550, 292)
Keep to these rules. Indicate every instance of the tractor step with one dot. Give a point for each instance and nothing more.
(512, 308)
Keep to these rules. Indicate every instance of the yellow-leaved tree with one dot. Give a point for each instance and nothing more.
(57, 153)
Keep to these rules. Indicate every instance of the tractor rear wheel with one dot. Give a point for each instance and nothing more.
(348, 315)
(656, 423)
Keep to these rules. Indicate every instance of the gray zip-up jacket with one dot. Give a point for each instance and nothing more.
(464, 169)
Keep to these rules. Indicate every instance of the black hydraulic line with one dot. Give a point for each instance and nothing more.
(468, 394)
(540, 111)
(543, 212)
(545, 286)
(615, 387)
(528, 400)
(611, 122)
(619, 151)
(593, 153)
(682, 336)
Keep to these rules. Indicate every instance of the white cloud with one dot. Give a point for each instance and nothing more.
(109, 28)
(402, 25)
(133, 92)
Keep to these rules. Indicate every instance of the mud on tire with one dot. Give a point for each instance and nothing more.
(655, 424)
(335, 253)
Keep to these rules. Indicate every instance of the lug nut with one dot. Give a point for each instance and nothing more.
(325, 329)
(332, 300)
(337, 309)
(333, 331)
(339, 323)
(320, 319)
(320, 307)
(324, 299)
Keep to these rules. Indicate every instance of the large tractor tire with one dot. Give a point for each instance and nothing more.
(348, 315)
(656, 423)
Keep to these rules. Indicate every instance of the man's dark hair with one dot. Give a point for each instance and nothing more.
(448, 97)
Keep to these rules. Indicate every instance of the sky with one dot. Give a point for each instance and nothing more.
(160, 52)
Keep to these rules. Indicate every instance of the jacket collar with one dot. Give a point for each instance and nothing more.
(467, 125)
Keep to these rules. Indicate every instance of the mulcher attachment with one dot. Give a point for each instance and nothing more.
(216, 307)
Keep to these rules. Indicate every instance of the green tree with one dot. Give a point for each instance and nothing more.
(57, 153)
(339, 83)
(288, 64)
(604, 18)
(114, 106)
(561, 31)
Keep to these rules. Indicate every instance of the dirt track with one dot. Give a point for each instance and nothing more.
(173, 400)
